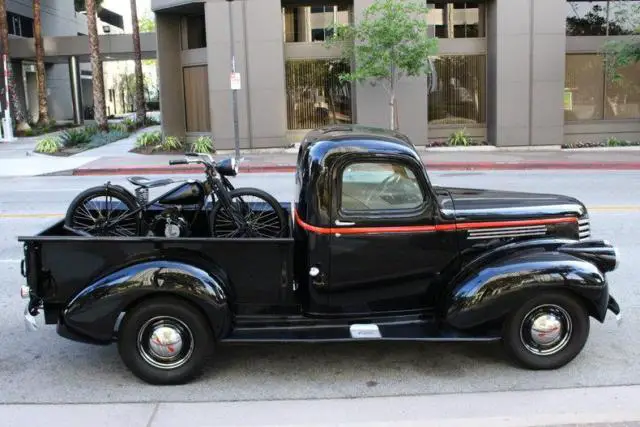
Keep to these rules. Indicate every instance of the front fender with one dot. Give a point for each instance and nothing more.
(94, 311)
(490, 292)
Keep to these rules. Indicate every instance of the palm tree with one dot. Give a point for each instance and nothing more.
(100, 114)
(140, 104)
(43, 109)
(18, 111)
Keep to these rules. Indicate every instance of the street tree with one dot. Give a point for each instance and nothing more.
(43, 109)
(99, 105)
(140, 101)
(389, 43)
(17, 108)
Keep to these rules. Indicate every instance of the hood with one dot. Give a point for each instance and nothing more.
(477, 204)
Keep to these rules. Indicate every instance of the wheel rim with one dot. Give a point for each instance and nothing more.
(165, 342)
(546, 330)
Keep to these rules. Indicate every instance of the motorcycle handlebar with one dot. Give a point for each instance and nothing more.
(178, 162)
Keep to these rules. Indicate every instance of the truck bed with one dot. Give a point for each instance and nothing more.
(61, 263)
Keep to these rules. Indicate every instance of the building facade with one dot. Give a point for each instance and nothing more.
(511, 72)
(60, 19)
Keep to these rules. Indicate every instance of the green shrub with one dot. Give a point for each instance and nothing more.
(118, 127)
(615, 142)
(171, 143)
(91, 130)
(203, 144)
(458, 138)
(104, 138)
(150, 121)
(129, 124)
(149, 139)
(74, 137)
(48, 145)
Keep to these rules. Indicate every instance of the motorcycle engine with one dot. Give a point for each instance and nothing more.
(170, 224)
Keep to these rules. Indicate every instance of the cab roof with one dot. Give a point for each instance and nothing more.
(357, 137)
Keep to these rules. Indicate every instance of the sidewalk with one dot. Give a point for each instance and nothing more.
(434, 160)
(596, 406)
(18, 159)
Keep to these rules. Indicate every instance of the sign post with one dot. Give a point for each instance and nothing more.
(235, 84)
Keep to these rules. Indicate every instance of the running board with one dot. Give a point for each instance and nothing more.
(419, 331)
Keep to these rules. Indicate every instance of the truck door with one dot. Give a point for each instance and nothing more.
(385, 252)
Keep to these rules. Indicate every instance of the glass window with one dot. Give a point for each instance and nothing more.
(375, 186)
(196, 32)
(599, 18)
(304, 23)
(622, 97)
(457, 20)
(315, 95)
(457, 93)
(584, 87)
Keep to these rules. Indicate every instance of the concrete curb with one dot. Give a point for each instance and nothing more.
(287, 168)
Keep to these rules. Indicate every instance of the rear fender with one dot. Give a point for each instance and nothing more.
(488, 293)
(94, 312)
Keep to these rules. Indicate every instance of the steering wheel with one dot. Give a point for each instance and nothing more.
(382, 187)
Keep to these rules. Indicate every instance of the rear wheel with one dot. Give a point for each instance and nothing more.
(104, 211)
(165, 341)
(547, 331)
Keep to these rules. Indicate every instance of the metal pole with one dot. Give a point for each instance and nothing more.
(76, 90)
(7, 122)
(234, 92)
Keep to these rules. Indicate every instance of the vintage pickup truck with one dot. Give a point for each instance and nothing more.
(374, 251)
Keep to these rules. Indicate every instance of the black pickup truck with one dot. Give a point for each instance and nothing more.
(374, 251)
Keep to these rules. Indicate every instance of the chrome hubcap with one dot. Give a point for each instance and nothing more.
(546, 330)
(165, 342)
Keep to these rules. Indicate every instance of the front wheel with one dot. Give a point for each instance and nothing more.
(260, 213)
(547, 331)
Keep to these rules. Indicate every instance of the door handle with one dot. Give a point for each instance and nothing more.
(338, 222)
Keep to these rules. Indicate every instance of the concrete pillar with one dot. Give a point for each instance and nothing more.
(76, 91)
(260, 60)
(372, 103)
(526, 57)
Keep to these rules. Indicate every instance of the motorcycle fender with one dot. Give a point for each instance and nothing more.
(94, 312)
(488, 293)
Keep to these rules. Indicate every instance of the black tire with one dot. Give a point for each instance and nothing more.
(275, 226)
(526, 350)
(136, 348)
(77, 216)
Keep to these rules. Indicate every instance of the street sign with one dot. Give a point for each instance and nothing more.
(236, 82)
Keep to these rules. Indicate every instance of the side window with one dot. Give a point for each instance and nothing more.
(378, 186)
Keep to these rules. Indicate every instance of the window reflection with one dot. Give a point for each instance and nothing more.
(457, 20)
(379, 186)
(457, 90)
(591, 95)
(601, 18)
(305, 23)
(315, 95)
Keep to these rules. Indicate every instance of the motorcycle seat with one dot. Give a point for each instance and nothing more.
(141, 181)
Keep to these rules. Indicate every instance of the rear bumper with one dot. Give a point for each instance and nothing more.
(614, 307)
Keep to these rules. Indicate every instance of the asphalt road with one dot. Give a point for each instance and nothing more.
(42, 367)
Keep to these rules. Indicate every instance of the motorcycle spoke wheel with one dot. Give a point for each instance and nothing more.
(262, 219)
(98, 215)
